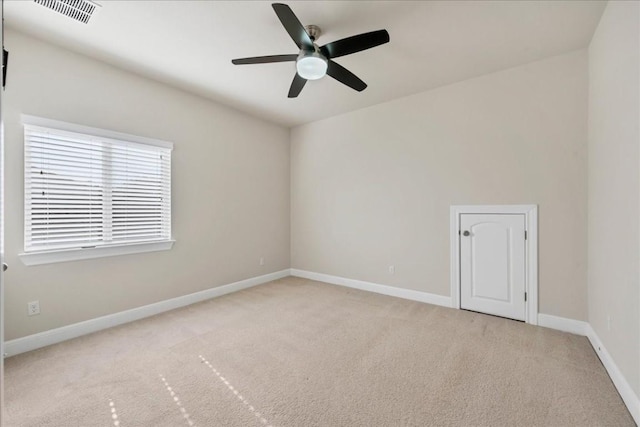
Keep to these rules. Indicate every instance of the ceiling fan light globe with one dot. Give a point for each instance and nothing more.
(311, 66)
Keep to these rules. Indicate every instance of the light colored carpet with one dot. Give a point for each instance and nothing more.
(296, 352)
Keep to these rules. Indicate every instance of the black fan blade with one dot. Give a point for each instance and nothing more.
(293, 26)
(265, 59)
(296, 86)
(355, 44)
(345, 76)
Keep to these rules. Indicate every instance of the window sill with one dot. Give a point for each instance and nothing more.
(64, 255)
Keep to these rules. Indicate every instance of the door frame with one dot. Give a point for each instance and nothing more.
(2, 255)
(530, 213)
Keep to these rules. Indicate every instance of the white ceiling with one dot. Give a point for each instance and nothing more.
(190, 44)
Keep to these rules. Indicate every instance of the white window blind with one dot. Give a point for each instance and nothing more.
(85, 191)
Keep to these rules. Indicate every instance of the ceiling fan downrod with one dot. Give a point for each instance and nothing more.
(314, 32)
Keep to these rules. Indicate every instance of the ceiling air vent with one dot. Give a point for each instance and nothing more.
(80, 10)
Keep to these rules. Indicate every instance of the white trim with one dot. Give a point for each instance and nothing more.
(577, 327)
(375, 287)
(76, 254)
(630, 399)
(104, 133)
(53, 336)
(531, 218)
(622, 385)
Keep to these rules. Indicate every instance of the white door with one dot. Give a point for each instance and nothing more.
(492, 264)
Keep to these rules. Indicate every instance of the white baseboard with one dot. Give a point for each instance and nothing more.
(577, 327)
(622, 385)
(53, 336)
(374, 287)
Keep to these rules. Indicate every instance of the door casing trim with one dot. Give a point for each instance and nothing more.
(531, 251)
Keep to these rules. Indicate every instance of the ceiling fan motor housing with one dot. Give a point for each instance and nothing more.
(314, 32)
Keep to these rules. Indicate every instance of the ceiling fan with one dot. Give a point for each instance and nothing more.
(314, 62)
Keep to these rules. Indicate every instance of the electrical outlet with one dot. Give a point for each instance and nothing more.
(33, 308)
(392, 269)
(261, 261)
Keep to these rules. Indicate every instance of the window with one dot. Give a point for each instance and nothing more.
(91, 192)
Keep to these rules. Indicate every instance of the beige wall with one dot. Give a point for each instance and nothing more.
(372, 188)
(614, 186)
(230, 189)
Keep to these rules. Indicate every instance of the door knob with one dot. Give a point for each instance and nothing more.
(4, 266)
(465, 233)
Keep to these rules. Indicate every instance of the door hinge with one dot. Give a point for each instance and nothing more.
(525, 296)
(458, 232)
(525, 234)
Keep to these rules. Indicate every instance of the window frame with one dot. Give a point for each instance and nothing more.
(46, 256)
